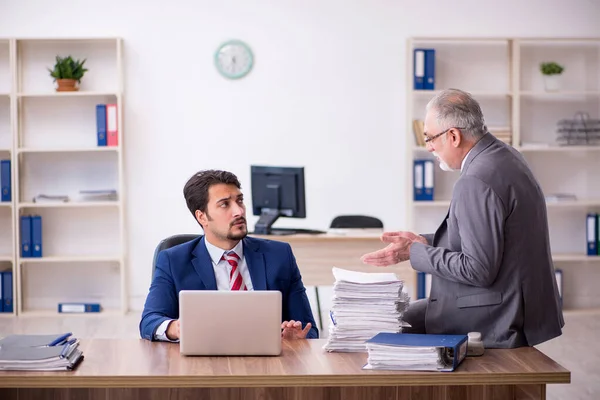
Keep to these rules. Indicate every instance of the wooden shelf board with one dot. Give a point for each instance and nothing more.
(551, 204)
(475, 93)
(565, 257)
(69, 259)
(5, 257)
(554, 148)
(5, 204)
(71, 204)
(67, 94)
(54, 313)
(70, 149)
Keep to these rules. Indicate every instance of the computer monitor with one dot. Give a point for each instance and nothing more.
(276, 191)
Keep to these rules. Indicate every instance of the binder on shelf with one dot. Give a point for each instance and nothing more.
(423, 285)
(558, 274)
(101, 124)
(419, 180)
(78, 307)
(1, 293)
(5, 181)
(428, 181)
(26, 236)
(417, 352)
(7, 291)
(592, 230)
(429, 82)
(419, 69)
(36, 236)
(112, 128)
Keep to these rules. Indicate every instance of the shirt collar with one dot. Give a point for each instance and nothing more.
(462, 164)
(216, 253)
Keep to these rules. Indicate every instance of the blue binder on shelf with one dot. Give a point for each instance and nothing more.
(452, 349)
(419, 180)
(592, 230)
(25, 236)
(428, 180)
(1, 293)
(101, 124)
(419, 69)
(429, 82)
(5, 181)
(423, 285)
(78, 307)
(36, 236)
(6, 292)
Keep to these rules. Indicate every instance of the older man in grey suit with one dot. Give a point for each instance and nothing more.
(490, 258)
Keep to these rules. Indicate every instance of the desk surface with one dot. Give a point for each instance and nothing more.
(111, 363)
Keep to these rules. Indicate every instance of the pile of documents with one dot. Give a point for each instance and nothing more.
(364, 304)
(40, 352)
(416, 352)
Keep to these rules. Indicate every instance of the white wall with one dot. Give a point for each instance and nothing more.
(327, 92)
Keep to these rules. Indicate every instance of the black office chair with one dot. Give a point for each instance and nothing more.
(356, 221)
(168, 243)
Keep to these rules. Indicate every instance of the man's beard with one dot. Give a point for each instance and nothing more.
(238, 236)
(443, 165)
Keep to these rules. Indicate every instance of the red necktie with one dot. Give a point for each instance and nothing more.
(235, 278)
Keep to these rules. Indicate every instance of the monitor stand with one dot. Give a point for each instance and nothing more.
(265, 221)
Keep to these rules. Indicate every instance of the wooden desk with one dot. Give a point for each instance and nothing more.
(317, 254)
(138, 369)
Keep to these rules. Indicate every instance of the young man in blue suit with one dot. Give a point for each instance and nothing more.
(224, 259)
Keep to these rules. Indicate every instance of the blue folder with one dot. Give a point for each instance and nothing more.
(453, 348)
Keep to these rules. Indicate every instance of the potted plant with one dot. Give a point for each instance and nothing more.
(552, 72)
(67, 73)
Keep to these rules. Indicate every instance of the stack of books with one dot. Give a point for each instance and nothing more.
(416, 352)
(364, 304)
(40, 353)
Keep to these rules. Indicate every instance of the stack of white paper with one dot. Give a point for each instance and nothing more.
(364, 304)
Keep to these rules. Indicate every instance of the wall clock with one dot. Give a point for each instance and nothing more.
(234, 59)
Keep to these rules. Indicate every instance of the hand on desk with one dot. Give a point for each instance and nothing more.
(173, 330)
(293, 330)
(396, 252)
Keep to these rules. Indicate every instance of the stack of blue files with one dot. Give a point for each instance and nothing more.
(58, 352)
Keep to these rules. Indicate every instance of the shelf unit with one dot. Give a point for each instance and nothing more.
(53, 145)
(503, 75)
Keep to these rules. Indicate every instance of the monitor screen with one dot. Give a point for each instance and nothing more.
(277, 191)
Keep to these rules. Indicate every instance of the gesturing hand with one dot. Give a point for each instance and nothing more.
(396, 252)
(293, 330)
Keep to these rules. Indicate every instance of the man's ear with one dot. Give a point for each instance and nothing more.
(201, 217)
(456, 137)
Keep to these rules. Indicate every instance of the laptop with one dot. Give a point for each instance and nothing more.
(230, 323)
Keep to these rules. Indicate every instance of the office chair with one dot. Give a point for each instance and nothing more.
(168, 243)
(356, 221)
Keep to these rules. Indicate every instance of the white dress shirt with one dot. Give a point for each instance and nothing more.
(222, 270)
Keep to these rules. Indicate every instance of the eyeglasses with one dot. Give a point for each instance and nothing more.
(429, 139)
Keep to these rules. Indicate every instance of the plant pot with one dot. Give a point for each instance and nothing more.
(66, 85)
(552, 83)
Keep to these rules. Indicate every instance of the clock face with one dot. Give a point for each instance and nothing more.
(234, 59)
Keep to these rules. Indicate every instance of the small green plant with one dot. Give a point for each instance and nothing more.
(551, 68)
(67, 68)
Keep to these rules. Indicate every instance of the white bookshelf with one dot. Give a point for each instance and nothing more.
(503, 75)
(7, 209)
(53, 144)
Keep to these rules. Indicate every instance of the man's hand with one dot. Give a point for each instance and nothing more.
(173, 330)
(293, 330)
(396, 252)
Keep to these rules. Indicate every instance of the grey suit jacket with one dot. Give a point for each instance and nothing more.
(490, 260)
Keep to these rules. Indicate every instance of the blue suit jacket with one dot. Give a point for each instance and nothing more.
(188, 266)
